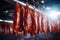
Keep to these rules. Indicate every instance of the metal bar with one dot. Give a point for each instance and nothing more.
(9, 21)
(24, 4)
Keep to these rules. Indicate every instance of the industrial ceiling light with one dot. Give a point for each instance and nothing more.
(53, 14)
(47, 8)
(42, 1)
(6, 11)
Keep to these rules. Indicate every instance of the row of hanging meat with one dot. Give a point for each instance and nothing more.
(27, 21)
(30, 21)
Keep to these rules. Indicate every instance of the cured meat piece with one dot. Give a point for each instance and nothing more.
(58, 26)
(22, 19)
(45, 27)
(31, 27)
(40, 22)
(34, 22)
(29, 22)
(26, 26)
(0, 28)
(0, 24)
(50, 27)
(10, 28)
(6, 28)
(55, 27)
(22, 12)
(17, 19)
